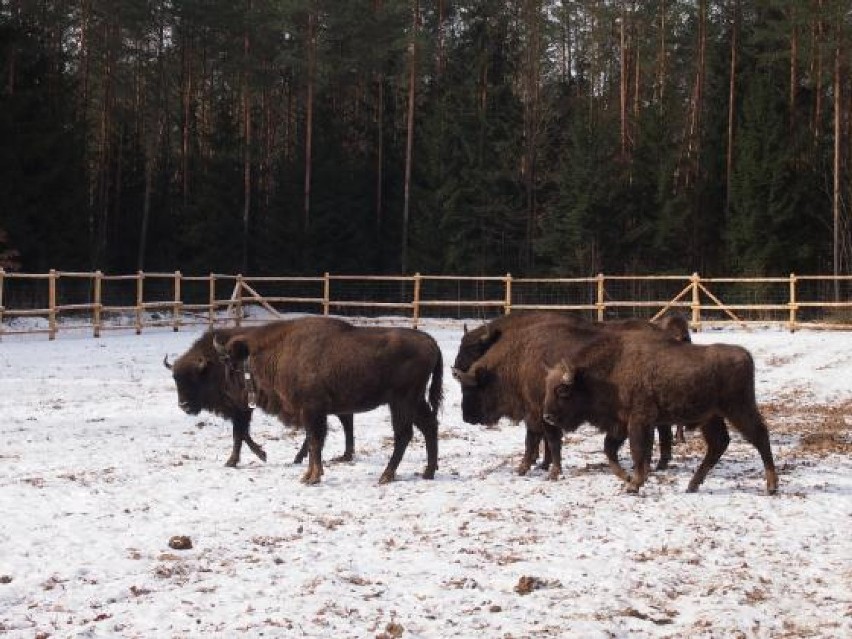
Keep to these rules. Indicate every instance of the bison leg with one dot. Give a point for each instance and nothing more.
(641, 444)
(754, 430)
(303, 451)
(679, 436)
(427, 423)
(553, 439)
(241, 422)
(546, 459)
(717, 439)
(664, 432)
(402, 432)
(612, 444)
(317, 430)
(531, 444)
(348, 423)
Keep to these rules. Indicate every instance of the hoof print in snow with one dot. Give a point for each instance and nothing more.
(180, 542)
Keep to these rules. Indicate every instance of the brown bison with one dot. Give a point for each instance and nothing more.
(625, 383)
(476, 343)
(205, 382)
(315, 367)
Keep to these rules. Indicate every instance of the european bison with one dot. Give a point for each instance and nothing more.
(205, 382)
(626, 383)
(314, 367)
(532, 326)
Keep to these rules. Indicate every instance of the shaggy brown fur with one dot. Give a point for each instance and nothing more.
(318, 366)
(205, 382)
(477, 342)
(625, 383)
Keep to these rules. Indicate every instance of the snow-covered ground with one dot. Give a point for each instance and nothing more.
(99, 469)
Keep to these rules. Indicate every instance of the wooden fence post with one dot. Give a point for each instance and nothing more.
(507, 303)
(326, 293)
(792, 325)
(416, 304)
(696, 302)
(140, 299)
(238, 306)
(97, 305)
(176, 308)
(211, 300)
(600, 304)
(51, 295)
(2, 280)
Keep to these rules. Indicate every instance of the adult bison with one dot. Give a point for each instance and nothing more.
(314, 368)
(206, 382)
(523, 385)
(626, 383)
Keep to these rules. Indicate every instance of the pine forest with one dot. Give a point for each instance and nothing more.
(479, 137)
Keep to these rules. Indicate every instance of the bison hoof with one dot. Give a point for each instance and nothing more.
(692, 488)
(631, 487)
(386, 478)
(429, 473)
(523, 469)
(663, 464)
(345, 457)
(262, 455)
(231, 463)
(310, 478)
(553, 475)
(298, 459)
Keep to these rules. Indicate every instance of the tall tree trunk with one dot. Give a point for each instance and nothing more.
(732, 82)
(185, 124)
(623, 78)
(817, 124)
(409, 142)
(837, 143)
(662, 57)
(309, 125)
(380, 138)
(794, 55)
(247, 140)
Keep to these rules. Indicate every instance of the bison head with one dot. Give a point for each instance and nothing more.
(474, 344)
(479, 395)
(200, 376)
(677, 327)
(559, 393)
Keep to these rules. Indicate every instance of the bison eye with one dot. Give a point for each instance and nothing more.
(563, 390)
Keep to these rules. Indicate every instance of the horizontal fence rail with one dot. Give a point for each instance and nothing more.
(59, 300)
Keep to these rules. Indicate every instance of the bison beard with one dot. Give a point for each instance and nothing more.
(205, 381)
(314, 367)
(627, 384)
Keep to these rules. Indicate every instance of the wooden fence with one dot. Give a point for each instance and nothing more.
(61, 300)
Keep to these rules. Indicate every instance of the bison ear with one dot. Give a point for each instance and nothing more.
(238, 348)
(464, 326)
(491, 335)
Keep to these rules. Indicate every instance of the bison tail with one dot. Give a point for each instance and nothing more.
(436, 388)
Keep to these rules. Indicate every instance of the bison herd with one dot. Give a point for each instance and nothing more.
(552, 371)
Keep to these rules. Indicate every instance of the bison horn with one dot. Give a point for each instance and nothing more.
(220, 349)
(464, 377)
(166, 362)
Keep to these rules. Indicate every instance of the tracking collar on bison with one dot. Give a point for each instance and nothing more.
(244, 368)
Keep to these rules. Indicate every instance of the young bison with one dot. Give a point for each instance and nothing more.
(625, 385)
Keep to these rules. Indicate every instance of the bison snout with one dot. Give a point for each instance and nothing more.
(550, 419)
